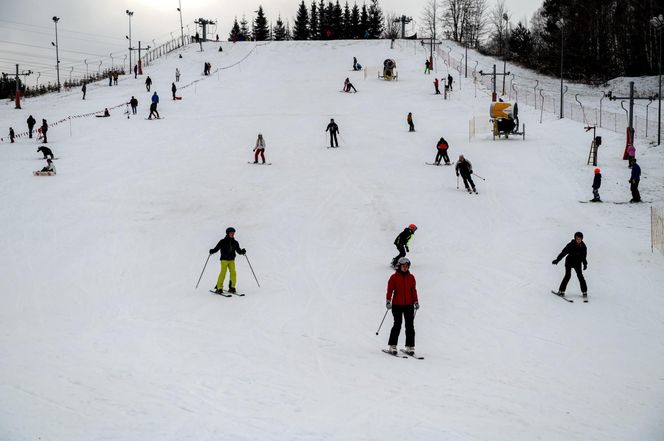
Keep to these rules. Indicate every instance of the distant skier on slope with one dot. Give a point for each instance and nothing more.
(435, 85)
(401, 242)
(465, 169)
(409, 120)
(12, 135)
(148, 83)
(333, 128)
(153, 106)
(597, 183)
(634, 180)
(402, 299)
(576, 253)
(441, 151)
(133, 102)
(31, 125)
(173, 90)
(227, 247)
(449, 81)
(44, 130)
(259, 150)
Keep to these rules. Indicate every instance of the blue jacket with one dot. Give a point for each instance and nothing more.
(636, 172)
(155, 98)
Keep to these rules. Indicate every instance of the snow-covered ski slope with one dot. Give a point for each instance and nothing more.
(103, 336)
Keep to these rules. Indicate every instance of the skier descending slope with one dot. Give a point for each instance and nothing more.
(465, 168)
(227, 247)
(576, 252)
(401, 242)
(402, 300)
(333, 128)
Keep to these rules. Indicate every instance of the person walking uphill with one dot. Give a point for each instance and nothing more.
(31, 125)
(465, 168)
(409, 120)
(227, 248)
(333, 128)
(401, 298)
(597, 183)
(148, 83)
(259, 149)
(576, 253)
(401, 242)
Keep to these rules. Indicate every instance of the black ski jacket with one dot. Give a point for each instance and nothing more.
(31, 122)
(227, 248)
(403, 238)
(332, 128)
(576, 254)
(597, 181)
(465, 168)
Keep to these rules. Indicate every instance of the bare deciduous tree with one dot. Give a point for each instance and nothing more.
(392, 25)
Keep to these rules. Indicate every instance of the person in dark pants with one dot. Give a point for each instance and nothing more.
(333, 128)
(133, 102)
(435, 84)
(148, 83)
(402, 299)
(31, 125)
(449, 81)
(576, 252)
(465, 168)
(634, 180)
(173, 89)
(84, 89)
(153, 106)
(135, 71)
(227, 248)
(44, 129)
(12, 135)
(401, 242)
(409, 119)
(45, 151)
(597, 183)
(441, 153)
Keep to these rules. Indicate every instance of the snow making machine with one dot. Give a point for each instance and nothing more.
(505, 120)
(389, 70)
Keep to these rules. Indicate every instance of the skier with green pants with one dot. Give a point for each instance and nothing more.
(227, 247)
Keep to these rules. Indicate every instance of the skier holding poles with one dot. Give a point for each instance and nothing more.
(227, 247)
(401, 298)
(465, 169)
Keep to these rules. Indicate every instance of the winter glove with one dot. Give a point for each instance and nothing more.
(388, 305)
(471, 172)
(417, 306)
(457, 174)
(585, 266)
(211, 251)
(555, 262)
(242, 252)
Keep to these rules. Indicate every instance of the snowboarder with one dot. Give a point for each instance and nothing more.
(133, 102)
(148, 83)
(49, 166)
(435, 84)
(449, 81)
(177, 75)
(227, 247)
(333, 128)
(31, 125)
(173, 89)
(597, 183)
(12, 135)
(259, 149)
(45, 151)
(402, 299)
(442, 147)
(576, 253)
(135, 71)
(465, 168)
(427, 67)
(409, 119)
(44, 129)
(634, 181)
(401, 242)
(84, 89)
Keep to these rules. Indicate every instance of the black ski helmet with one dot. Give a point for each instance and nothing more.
(230, 230)
(578, 234)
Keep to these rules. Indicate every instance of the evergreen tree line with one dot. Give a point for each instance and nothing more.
(322, 21)
(600, 39)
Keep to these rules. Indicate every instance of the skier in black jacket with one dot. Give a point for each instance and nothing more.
(401, 242)
(465, 168)
(227, 247)
(333, 128)
(576, 252)
(31, 125)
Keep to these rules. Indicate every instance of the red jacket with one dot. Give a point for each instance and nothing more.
(402, 285)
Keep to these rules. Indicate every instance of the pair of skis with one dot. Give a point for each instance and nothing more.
(229, 294)
(406, 354)
(585, 299)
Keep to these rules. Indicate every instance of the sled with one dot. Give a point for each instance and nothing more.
(178, 97)
(43, 173)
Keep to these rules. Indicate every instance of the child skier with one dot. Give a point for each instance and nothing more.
(259, 149)
(576, 252)
(442, 147)
(402, 299)
(12, 135)
(401, 242)
(597, 183)
(227, 247)
(465, 168)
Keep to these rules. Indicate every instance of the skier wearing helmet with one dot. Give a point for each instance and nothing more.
(402, 299)
(401, 242)
(227, 247)
(597, 182)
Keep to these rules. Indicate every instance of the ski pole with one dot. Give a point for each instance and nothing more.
(381, 322)
(252, 270)
(206, 262)
(478, 176)
(457, 182)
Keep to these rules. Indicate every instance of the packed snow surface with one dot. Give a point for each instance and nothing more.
(103, 335)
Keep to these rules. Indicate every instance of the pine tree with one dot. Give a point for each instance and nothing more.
(300, 28)
(337, 23)
(313, 22)
(244, 30)
(355, 22)
(279, 31)
(235, 34)
(346, 32)
(322, 20)
(364, 22)
(261, 29)
(375, 20)
(521, 42)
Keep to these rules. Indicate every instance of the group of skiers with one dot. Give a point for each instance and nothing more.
(447, 86)
(634, 180)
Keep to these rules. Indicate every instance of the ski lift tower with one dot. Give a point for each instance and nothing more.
(403, 20)
(204, 23)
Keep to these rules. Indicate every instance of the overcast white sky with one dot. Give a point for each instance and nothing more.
(93, 29)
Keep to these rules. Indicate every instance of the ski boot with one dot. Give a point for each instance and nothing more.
(392, 349)
(410, 350)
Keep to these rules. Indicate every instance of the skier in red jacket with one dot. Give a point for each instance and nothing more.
(401, 298)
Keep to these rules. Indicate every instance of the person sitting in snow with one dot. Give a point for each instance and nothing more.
(50, 167)
(348, 86)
